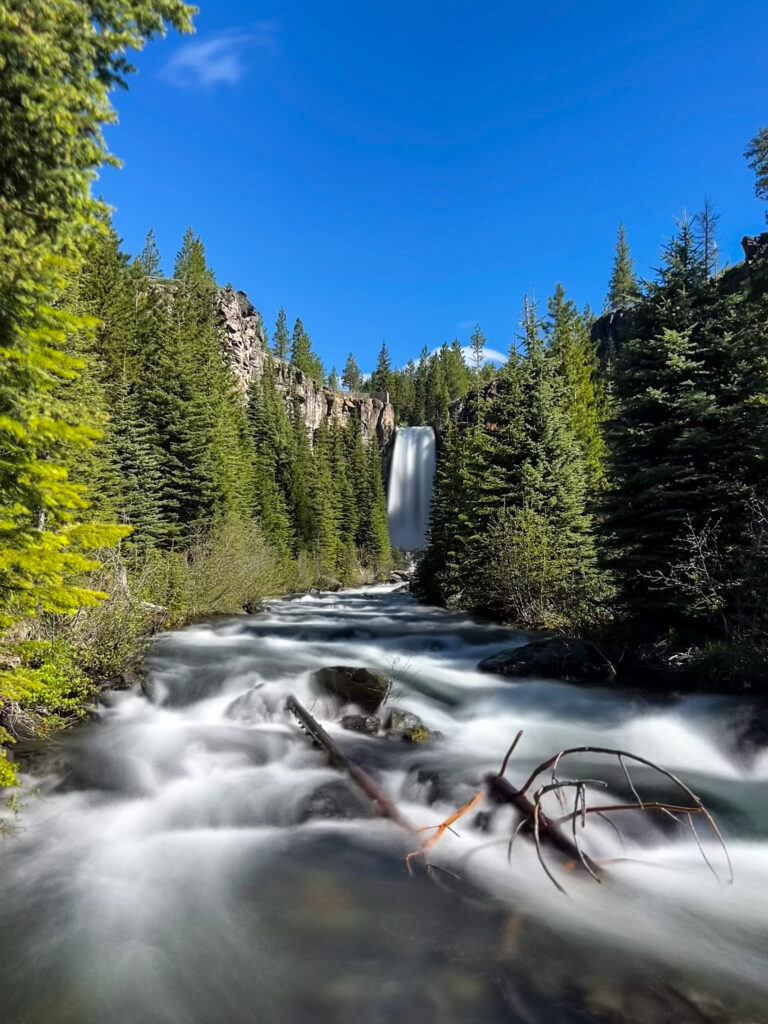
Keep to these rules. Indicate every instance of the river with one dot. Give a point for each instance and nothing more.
(191, 859)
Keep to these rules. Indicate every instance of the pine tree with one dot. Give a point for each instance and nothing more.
(333, 379)
(757, 159)
(50, 137)
(477, 345)
(623, 289)
(438, 576)
(569, 344)
(706, 221)
(687, 440)
(351, 378)
(324, 505)
(302, 356)
(381, 376)
(438, 398)
(420, 388)
(264, 407)
(280, 339)
(344, 504)
(299, 478)
(376, 550)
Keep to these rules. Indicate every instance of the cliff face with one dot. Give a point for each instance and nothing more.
(246, 345)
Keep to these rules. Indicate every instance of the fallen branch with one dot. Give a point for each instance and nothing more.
(384, 807)
(548, 832)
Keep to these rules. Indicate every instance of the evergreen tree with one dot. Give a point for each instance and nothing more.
(687, 439)
(437, 398)
(381, 378)
(757, 159)
(351, 378)
(376, 550)
(299, 479)
(569, 344)
(623, 289)
(280, 339)
(477, 345)
(345, 511)
(302, 356)
(706, 221)
(324, 504)
(61, 60)
(264, 414)
(438, 576)
(333, 379)
(420, 387)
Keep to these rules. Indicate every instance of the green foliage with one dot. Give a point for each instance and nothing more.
(757, 158)
(688, 434)
(61, 59)
(280, 339)
(623, 289)
(302, 355)
(530, 577)
(511, 489)
(570, 346)
(351, 378)
(381, 378)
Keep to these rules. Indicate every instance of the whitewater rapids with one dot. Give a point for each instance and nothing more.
(190, 859)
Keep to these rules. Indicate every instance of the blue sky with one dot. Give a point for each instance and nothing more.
(402, 171)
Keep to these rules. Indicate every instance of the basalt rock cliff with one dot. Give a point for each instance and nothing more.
(246, 347)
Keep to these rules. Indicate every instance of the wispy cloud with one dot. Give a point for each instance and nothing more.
(220, 58)
(491, 355)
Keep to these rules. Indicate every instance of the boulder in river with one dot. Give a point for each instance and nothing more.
(552, 657)
(369, 724)
(362, 686)
(405, 725)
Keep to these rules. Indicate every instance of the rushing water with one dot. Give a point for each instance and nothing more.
(410, 487)
(190, 859)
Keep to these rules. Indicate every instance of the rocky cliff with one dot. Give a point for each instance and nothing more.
(246, 346)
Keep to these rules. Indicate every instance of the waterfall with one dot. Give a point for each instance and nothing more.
(410, 487)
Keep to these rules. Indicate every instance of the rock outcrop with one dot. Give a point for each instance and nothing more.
(246, 345)
(552, 657)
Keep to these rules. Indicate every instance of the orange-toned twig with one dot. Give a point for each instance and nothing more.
(441, 829)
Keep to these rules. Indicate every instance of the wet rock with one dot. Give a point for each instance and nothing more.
(407, 726)
(130, 678)
(248, 707)
(552, 657)
(326, 583)
(399, 576)
(334, 800)
(362, 686)
(369, 724)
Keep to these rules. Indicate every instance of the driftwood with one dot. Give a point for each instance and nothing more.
(561, 833)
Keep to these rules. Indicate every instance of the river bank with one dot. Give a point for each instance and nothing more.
(193, 859)
(54, 668)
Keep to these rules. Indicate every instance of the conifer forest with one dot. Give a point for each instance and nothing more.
(258, 756)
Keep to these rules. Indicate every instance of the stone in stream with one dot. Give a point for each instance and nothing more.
(552, 657)
(369, 724)
(405, 725)
(248, 707)
(364, 687)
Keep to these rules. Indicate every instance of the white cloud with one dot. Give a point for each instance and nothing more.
(489, 355)
(222, 58)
